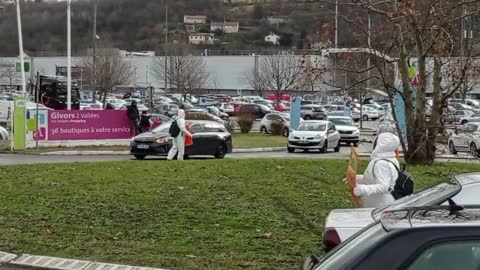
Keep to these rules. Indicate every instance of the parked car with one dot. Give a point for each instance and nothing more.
(469, 102)
(461, 106)
(209, 138)
(374, 106)
(341, 224)
(466, 140)
(369, 114)
(470, 118)
(4, 134)
(269, 119)
(349, 133)
(314, 135)
(457, 115)
(280, 106)
(420, 238)
(196, 114)
(215, 111)
(309, 112)
(226, 108)
(169, 110)
(283, 97)
(259, 110)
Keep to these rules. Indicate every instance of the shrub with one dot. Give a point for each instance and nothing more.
(246, 122)
(277, 128)
(230, 126)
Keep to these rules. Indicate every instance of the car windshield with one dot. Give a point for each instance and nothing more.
(430, 196)
(352, 247)
(312, 126)
(162, 128)
(342, 121)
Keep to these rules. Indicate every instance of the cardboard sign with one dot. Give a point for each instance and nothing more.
(352, 170)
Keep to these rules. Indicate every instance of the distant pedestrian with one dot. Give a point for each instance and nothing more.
(134, 118)
(109, 107)
(376, 185)
(178, 131)
(144, 122)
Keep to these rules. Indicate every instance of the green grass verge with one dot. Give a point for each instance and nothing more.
(255, 140)
(200, 214)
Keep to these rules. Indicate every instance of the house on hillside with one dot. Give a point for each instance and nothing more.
(273, 39)
(201, 38)
(194, 19)
(226, 27)
(245, 2)
(277, 19)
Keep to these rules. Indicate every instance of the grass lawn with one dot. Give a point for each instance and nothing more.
(200, 214)
(255, 140)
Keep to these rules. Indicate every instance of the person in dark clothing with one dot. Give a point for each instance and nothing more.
(109, 107)
(144, 122)
(134, 117)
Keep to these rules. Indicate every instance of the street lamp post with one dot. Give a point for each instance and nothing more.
(166, 46)
(69, 57)
(94, 69)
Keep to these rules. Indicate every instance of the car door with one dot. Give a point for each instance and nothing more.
(268, 122)
(332, 136)
(460, 140)
(199, 139)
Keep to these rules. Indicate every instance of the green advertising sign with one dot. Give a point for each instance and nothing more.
(18, 67)
(19, 124)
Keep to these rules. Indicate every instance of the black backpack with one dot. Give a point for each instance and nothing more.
(404, 185)
(174, 129)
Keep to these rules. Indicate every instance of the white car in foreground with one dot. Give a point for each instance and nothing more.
(314, 135)
(466, 140)
(349, 133)
(343, 223)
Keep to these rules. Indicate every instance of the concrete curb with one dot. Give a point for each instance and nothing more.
(109, 153)
(445, 157)
(26, 261)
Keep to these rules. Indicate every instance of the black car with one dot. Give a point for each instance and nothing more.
(209, 138)
(420, 238)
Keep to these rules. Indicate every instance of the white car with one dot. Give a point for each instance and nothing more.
(343, 223)
(349, 133)
(269, 119)
(226, 108)
(4, 134)
(470, 118)
(369, 114)
(314, 135)
(467, 140)
(374, 106)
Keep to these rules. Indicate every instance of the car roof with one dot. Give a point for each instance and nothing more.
(316, 121)
(339, 117)
(468, 178)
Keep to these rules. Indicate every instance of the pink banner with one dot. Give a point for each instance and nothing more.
(88, 125)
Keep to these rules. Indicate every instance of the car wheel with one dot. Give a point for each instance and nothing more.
(464, 122)
(221, 151)
(286, 132)
(451, 147)
(290, 149)
(365, 118)
(474, 151)
(263, 130)
(324, 149)
(140, 157)
(308, 117)
(337, 149)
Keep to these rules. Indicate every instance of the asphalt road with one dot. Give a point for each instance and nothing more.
(17, 159)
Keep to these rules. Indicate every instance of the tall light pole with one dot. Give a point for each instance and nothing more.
(94, 69)
(166, 46)
(69, 56)
(336, 45)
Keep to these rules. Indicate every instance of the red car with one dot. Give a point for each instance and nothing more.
(284, 97)
(279, 106)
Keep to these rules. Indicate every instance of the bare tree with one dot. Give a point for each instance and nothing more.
(111, 70)
(185, 74)
(281, 74)
(10, 74)
(418, 40)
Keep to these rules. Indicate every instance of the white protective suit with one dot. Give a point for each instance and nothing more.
(179, 141)
(375, 191)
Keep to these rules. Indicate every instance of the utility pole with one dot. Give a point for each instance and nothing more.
(69, 56)
(369, 42)
(94, 70)
(166, 47)
(336, 45)
(255, 75)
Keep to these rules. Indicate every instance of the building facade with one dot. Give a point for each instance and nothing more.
(194, 19)
(226, 27)
(201, 38)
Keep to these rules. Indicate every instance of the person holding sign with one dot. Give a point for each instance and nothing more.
(375, 186)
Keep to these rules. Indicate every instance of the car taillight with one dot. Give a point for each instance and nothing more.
(331, 239)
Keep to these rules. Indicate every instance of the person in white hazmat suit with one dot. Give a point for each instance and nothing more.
(375, 186)
(178, 145)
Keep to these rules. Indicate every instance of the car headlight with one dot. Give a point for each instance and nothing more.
(161, 140)
(356, 132)
(318, 137)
